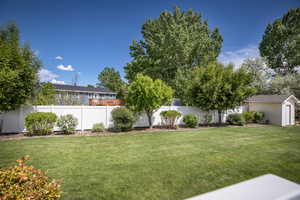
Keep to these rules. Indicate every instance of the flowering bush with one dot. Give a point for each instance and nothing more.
(26, 182)
(67, 123)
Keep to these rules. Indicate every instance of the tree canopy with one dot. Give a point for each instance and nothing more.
(111, 79)
(281, 43)
(147, 95)
(174, 40)
(288, 84)
(18, 69)
(216, 87)
(90, 86)
(182, 83)
(261, 73)
(46, 95)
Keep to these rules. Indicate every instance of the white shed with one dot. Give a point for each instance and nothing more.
(278, 109)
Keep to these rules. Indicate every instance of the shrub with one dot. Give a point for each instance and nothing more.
(207, 118)
(297, 111)
(248, 116)
(26, 182)
(169, 117)
(190, 120)
(67, 123)
(99, 127)
(258, 117)
(40, 123)
(236, 119)
(123, 119)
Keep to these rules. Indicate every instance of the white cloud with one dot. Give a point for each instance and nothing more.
(54, 81)
(46, 75)
(237, 57)
(36, 52)
(65, 68)
(59, 58)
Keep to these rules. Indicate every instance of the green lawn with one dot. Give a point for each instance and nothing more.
(160, 165)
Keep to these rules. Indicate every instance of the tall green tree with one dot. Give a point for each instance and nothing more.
(111, 79)
(174, 40)
(90, 86)
(216, 87)
(287, 84)
(147, 95)
(182, 83)
(18, 69)
(46, 95)
(261, 73)
(281, 43)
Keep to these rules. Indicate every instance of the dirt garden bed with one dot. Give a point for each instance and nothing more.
(11, 136)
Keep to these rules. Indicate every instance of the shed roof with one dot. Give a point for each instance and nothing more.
(270, 98)
(82, 89)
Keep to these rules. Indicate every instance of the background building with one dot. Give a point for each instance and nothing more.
(78, 95)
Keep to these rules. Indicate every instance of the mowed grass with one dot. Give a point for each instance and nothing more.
(160, 165)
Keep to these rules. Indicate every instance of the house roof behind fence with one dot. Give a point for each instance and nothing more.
(82, 89)
(269, 98)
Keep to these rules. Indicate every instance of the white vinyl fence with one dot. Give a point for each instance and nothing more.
(13, 122)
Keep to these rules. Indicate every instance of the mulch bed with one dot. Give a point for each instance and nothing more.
(11, 136)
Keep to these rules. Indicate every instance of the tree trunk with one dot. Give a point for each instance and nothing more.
(220, 116)
(149, 115)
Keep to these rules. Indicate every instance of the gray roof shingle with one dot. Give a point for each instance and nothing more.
(268, 98)
(82, 89)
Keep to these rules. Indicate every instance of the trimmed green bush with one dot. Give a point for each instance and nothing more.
(98, 127)
(190, 120)
(258, 117)
(207, 118)
(40, 123)
(67, 123)
(26, 182)
(170, 117)
(236, 119)
(248, 116)
(123, 119)
(253, 116)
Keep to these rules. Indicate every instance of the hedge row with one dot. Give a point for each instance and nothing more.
(42, 123)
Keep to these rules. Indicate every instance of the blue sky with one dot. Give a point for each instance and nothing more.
(85, 36)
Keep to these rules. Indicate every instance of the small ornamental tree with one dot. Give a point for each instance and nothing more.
(147, 95)
(216, 87)
(170, 117)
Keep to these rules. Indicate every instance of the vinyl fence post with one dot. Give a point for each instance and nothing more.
(81, 117)
(106, 116)
(52, 108)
